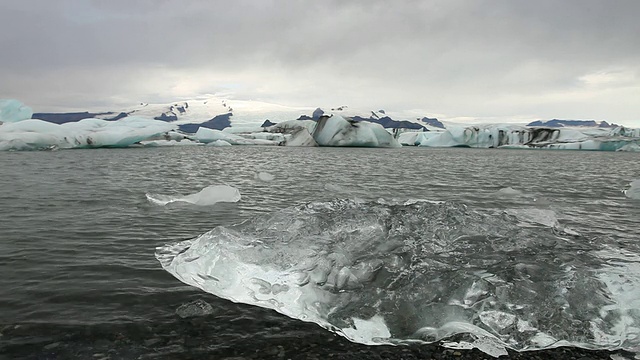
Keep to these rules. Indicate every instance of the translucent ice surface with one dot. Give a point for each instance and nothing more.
(383, 272)
(13, 111)
(208, 196)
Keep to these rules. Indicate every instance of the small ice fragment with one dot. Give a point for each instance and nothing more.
(633, 192)
(208, 196)
(264, 176)
(509, 191)
(195, 308)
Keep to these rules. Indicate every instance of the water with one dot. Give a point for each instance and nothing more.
(78, 234)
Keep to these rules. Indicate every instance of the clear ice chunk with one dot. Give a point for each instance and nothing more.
(385, 272)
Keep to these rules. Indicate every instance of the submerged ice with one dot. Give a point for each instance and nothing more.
(210, 195)
(378, 272)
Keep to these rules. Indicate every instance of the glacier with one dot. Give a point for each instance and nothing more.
(210, 195)
(388, 272)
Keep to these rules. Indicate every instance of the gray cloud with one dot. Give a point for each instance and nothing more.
(496, 59)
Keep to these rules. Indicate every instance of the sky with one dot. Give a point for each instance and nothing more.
(465, 60)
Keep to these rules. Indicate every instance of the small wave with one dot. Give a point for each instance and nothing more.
(385, 272)
(210, 195)
(509, 191)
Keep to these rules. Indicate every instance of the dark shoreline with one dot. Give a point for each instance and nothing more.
(210, 337)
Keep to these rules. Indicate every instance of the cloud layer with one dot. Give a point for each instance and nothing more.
(498, 59)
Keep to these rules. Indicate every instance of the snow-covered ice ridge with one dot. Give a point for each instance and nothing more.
(223, 122)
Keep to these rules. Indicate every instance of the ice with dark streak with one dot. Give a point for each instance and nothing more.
(19, 132)
(337, 131)
(515, 136)
(379, 272)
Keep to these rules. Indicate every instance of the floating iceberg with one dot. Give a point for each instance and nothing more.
(206, 135)
(210, 195)
(514, 136)
(13, 110)
(19, 132)
(377, 272)
(87, 133)
(297, 132)
(302, 137)
(338, 131)
(334, 131)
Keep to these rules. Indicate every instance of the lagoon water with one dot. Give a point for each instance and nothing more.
(78, 234)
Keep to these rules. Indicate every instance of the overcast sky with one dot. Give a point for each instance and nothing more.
(493, 59)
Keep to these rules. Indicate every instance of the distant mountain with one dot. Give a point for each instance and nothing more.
(433, 122)
(61, 118)
(218, 113)
(380, 117)
(565, 123)
(209, 112)
(389, 123)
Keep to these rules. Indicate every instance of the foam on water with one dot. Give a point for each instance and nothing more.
(386, 272)
(210, 195)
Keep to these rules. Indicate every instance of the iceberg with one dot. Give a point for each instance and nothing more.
(515, 136)
(631, 147)
(386, 273)
(292, 126)
(302, 137)
(338, 131)
(210, 195)
(333, 130)
(295, 132)
(206, 135)
(87, 133)
(13, 110)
